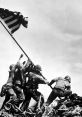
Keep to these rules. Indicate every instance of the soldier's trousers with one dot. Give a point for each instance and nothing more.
(28, 95)
(8, 94)
(57, 93)
(19, 93)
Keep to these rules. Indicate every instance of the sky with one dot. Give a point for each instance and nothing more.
(53, 39)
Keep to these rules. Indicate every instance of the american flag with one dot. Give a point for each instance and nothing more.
(13, 19)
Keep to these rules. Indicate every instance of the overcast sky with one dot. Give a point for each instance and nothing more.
(53, 39)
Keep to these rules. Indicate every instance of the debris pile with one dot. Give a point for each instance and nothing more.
(70, 107)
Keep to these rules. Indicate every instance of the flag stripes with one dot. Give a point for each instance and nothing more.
(12, 22)
(16, 27)
(12, 19)
(5, 19)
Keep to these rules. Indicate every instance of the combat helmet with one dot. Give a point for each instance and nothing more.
(38, 67)
(68, 78)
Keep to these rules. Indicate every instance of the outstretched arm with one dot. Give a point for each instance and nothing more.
(68, 87)
(39, 79)
(52, 81)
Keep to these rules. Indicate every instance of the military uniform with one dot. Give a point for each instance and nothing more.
(31, 87)
(13, 87)
(61, 89)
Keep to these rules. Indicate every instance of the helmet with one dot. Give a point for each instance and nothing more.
(38, 67)
(67, 78)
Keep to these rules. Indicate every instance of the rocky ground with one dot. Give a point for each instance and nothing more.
(70, 107)
(66, 107)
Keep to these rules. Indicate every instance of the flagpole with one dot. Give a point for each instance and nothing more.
(15, 40)
(18, 44)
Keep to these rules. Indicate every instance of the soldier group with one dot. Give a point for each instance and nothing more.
(22, 85)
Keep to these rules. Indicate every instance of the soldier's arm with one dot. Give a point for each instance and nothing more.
(52, 81)
(39, 79)
(28, 67)
(44, 81)
(68, 87)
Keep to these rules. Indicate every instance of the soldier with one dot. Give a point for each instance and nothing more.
(62, 88)
(7, 89)
(14, 84)
(30, 90)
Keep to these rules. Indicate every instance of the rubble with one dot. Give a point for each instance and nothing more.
(70, 107)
